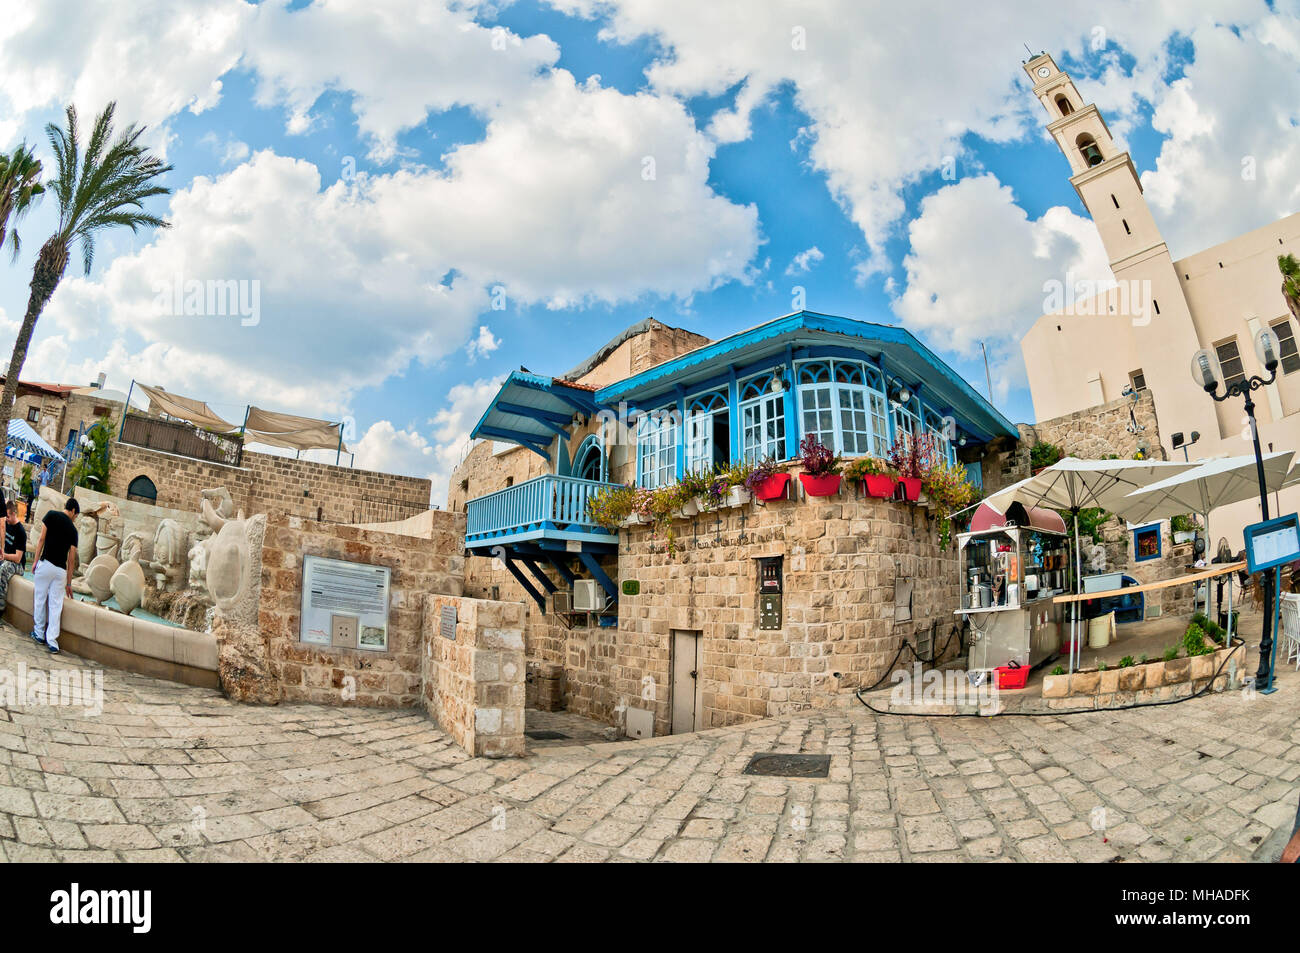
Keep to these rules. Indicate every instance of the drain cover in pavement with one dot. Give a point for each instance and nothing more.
(790, 765)
(540, 735)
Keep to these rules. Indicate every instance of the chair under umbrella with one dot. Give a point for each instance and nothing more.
(1073, 484)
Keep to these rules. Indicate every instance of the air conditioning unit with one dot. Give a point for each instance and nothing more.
(587, 596)
(561, 601)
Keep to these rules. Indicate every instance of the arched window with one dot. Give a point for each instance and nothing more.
(1088, 149)
(1063, 104)
(142, 490)
(762, 417)
(843, 405)
(939, 430)
(656, 443)
(708, 432)
(589, 463)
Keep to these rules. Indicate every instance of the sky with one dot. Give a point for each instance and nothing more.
(415, 197)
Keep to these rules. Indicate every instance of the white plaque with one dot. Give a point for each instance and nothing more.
(344, 604)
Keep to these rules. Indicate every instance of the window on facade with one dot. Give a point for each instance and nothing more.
(843, 405)
(907, 419)
(1146, 543)
(1230, 362)
(1138, 379)
(33, 414)
(1286, 340)
(656, 442)
(762, 419)
(1063, 104)
(142, 490)
(708, 433)
(938, 432)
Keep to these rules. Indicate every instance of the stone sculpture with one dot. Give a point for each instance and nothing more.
(169, 565)
(98, 577)
(128, 586)
(234, 578)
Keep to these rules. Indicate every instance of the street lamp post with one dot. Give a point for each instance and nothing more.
(1208, 375)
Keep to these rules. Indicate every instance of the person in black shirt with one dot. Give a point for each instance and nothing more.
(15, 550)
(56, 562)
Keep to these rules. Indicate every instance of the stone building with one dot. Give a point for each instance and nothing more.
(1141, 335)
(676, 637)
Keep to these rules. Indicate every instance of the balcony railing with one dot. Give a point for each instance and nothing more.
(182, 439)
(546, 507)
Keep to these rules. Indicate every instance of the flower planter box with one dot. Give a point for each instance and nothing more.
(825, 485)
(880, 485)
(689, 508)
(737, 496)
(772, 487)
(911, 488)
(1184, 536)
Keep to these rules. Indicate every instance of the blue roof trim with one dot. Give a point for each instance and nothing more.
(531, 410)
(663, 377)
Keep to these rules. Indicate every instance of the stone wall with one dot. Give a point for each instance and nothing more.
(313, 673)
(473, 684)
(1100, 431)
(271, 484)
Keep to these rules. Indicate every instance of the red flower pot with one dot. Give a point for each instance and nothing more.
(772, 487)
(879, 485)
(911, 488)
(827, 484)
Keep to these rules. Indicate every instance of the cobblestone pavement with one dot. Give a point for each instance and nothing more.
(174, 773)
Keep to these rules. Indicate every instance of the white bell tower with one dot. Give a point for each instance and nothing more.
(1104, 177)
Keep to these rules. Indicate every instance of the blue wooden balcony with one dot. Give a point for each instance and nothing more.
(545, 510)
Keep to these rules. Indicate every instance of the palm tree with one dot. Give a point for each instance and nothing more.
(20, 188)
(1290, 269)
(105, 187)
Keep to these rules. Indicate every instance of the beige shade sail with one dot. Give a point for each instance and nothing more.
(292, 432)
(185, 408)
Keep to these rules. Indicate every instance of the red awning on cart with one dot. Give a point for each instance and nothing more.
(986, 517)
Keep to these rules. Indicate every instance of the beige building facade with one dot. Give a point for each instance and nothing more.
(1140, 335)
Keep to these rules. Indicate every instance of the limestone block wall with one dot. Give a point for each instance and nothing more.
(473, 684)
(420, 566)
(269, 484)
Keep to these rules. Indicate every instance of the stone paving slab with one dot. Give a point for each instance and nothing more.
(174, 773)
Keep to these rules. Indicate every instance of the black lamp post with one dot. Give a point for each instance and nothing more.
(1207, 373)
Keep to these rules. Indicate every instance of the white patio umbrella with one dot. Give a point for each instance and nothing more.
(1212, 484)
(1073, 484)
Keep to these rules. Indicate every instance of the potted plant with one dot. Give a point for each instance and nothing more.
(737, 481)
(877, 480)
(1184, 528)
(612, 507)
(692, 494)
(908, 459)
(641, 502)
(767, 481)
(949, 489)
(821, 468)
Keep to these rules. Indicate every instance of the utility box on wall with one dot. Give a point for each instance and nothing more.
(770, 593)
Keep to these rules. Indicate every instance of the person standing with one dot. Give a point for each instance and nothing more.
(56, 561)
(15, 550)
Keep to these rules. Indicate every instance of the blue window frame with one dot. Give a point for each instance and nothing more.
(656, 443)
(1147, 542)
(762, 418)
(843, 405)
(708, 432)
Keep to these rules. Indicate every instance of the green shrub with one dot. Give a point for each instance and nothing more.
(1044, 455)
(1194, 641)
(1126, 661)
(1171, 653)
(1057, 671)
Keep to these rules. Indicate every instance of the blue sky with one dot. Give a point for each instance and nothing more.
(522, 169)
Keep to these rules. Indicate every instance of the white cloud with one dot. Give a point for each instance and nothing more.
(979, 267)
(154, 57)
(804, 261)
(482, 345)
(399, 59)
(890, 98)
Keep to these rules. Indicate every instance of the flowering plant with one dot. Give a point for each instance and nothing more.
(949, 488)
(816, 458)
(611, 506)
(761, 472)
(867, 466)
(910, 456)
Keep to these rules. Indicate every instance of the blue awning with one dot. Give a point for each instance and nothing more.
(26, 444)
(796, 336)
(532, 411)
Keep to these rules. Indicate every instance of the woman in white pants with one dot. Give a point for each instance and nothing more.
(56, 562)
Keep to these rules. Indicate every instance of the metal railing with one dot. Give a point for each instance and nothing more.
(182, 439)
(557, 500)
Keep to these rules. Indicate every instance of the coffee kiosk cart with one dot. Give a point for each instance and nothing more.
(1011, 572)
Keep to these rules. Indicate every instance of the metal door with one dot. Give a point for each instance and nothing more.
(686, 682)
